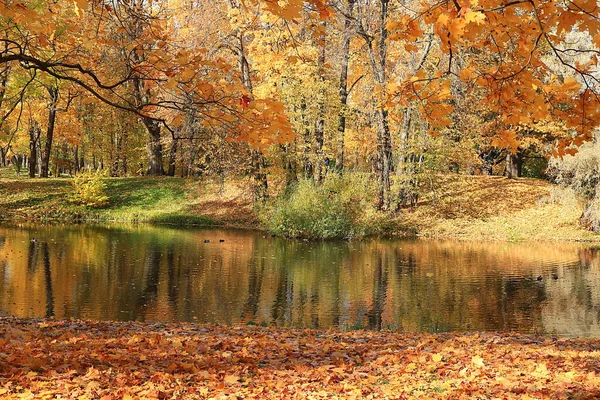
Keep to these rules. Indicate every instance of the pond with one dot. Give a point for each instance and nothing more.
(220, 276)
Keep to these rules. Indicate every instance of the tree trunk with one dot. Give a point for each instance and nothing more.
(261, 185)
(45, 166)
(384, 159)
(34, 136)
(289, 166)
(343, 88)
(320, 122)
(155, 150)
(514, 164)
(590, 218)
(258, 161)
(76, 159)
(378, 61)
(307, 166)
(172, 157)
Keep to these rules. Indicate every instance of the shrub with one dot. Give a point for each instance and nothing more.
(342, 207)
(90, 189)
(580, 172)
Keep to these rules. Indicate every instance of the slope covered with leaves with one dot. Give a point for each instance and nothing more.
(494, 208)
(99, 360)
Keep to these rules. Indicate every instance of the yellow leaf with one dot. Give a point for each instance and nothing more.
(231, 379)
(477, 361)
(80, 5)
(436, 358)
(475, 17)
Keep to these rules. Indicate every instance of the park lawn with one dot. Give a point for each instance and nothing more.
(46, 359)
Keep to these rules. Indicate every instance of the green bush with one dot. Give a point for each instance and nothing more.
(342, 207)
(89, 189)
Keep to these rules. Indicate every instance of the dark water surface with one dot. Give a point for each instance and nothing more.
(160, 274)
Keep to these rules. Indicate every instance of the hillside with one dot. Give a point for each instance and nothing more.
(495, 208)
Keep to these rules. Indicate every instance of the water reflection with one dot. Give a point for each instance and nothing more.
(148, 273)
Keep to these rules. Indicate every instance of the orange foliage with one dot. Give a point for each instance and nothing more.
(86, 360)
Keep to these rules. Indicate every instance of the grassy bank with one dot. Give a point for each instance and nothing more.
(110, 360)
(137, 199)
(453, 206)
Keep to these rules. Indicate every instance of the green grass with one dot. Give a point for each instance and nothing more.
(154, 200)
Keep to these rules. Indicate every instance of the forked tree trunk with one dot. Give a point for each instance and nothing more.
(155, 149)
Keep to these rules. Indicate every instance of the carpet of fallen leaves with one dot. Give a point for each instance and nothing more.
(45, 359)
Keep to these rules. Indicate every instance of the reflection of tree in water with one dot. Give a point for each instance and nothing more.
(573, 304)
(152, 267)
(255, 282)
(281, 305)
(307, 283)
(380, 288)
(159, 274)
(33, 254)
(48, 279)
(438, 289)
(174, 277)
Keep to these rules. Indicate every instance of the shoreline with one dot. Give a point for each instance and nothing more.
(472, 208)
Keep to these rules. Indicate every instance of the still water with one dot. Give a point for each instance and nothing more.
(231, 276)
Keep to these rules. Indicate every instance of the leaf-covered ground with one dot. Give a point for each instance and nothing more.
(98, 360)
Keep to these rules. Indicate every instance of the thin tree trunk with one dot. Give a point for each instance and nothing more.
(261, 183)
(343, 88)
(76, 159)
(45, 166)
(378, 60)
(172, 157)
(307, 166)
(384, 158)
(34, 136)
(289, 165)
(320, 122)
